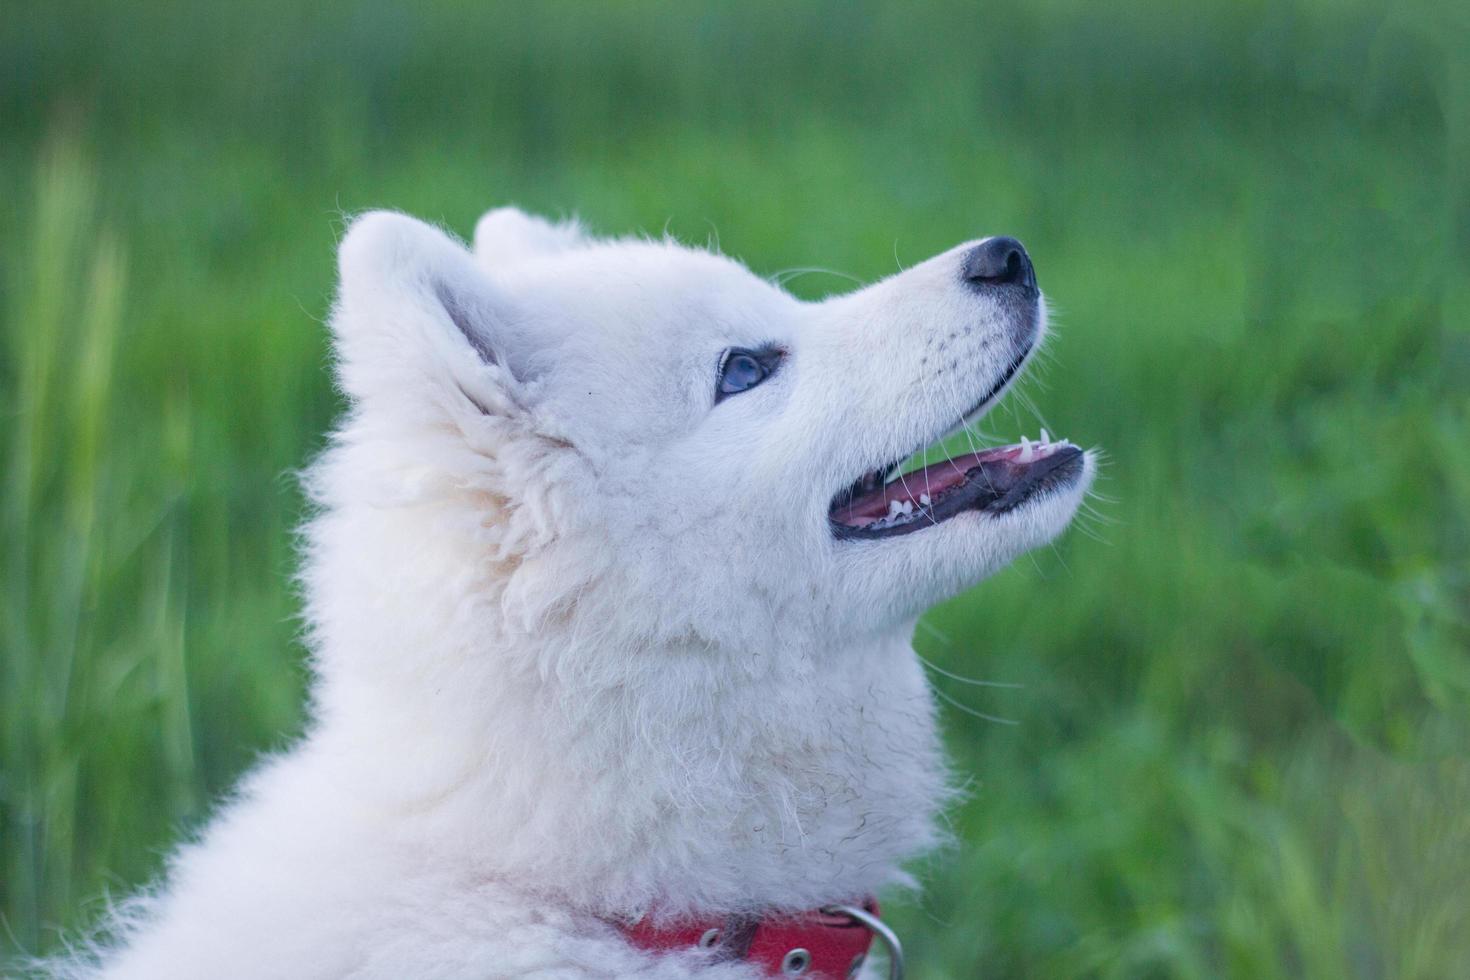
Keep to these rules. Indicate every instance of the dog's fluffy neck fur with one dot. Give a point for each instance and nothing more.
(676, 774)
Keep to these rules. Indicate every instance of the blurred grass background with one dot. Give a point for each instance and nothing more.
(1242, 743)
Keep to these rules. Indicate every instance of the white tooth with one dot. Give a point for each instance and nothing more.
(908, 507)
(1026, 452)
(894, 508)
(1045, 438)
(924, 499)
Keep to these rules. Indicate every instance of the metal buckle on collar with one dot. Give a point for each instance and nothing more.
(878, 928)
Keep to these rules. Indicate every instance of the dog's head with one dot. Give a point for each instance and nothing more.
(650, 436)
(612, 547)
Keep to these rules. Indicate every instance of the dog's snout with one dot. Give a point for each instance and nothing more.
(999, 261)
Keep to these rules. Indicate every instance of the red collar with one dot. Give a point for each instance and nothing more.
(829, 943)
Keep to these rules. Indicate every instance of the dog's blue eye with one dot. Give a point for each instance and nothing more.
(742, 369)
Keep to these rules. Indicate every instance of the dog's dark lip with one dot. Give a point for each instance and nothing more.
(994, 482)
(1005, 379)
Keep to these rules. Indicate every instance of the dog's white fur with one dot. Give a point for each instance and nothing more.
(584, 645)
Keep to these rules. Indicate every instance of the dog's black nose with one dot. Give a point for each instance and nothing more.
(1000, 261)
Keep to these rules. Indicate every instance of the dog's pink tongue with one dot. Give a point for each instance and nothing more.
(930, 482)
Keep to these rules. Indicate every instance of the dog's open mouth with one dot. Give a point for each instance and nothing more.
(994, 481)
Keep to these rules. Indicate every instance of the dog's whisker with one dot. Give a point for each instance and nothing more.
(996, 719)
(968, 680)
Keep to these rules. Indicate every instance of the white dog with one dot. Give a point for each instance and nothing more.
(611, 590)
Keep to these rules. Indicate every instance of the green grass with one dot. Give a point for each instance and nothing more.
(1243, 741)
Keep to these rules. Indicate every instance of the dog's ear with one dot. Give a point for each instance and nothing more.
(416, 316)
(508, 235)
